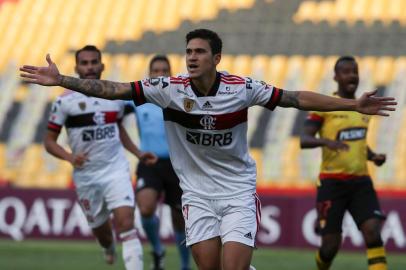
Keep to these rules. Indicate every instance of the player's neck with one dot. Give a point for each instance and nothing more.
(343, 94)
(205, 83)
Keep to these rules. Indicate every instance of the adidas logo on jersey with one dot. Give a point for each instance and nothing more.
(207, 105)
(248, 235)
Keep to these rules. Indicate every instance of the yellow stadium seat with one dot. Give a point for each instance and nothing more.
(207, 9)
(152, 15)
(259, 67)
(277, 70)
(325, 12)
(242, 65)
(384, 71)
(290, 162)
(30, 166)
(177, 63)
(395, 11)
(173, 21)
(313, 70)
(357, 13)
(138, 67)
(188, 10)
(342, 9)
(307, 12)
(226, 63)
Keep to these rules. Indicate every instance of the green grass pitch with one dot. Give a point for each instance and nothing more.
(74, 255)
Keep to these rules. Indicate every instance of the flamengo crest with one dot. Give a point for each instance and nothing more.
(188, 104)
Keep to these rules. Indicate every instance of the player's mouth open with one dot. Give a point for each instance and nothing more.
(193, 66)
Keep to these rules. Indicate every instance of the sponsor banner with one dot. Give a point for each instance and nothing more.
(287, 221)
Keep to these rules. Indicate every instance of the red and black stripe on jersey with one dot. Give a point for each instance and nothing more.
(194, 121)
(138, 93)
(83, 120)
(274, 99)
(54, 127)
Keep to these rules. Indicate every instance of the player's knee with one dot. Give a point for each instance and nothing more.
(146, 210)
(124, 224)
(329, 250)
(372, 236)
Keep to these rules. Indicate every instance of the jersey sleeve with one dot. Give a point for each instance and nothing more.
(152, 90)
(57, 116)
(121, 109)
(263, 94)
(315, 118)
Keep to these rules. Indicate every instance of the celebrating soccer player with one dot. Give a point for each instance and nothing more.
(344, 180)
(101, 172)
(158, 178)
(205, 117)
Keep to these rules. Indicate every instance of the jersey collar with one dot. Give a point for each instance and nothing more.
(213, 90)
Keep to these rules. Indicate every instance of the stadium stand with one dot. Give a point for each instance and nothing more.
(291, 44)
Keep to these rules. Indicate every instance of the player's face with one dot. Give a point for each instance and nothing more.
(159, 68)
(199, 58)
(89, 65)
(347, 77)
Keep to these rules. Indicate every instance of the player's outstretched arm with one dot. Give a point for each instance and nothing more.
(50, 76)
(310, 101)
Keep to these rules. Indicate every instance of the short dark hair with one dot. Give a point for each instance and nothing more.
(90, 48)
(212, 37)
(159, 57)
(344, 58)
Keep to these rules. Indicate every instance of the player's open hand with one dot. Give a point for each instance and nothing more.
(371, 104)
(79, 160)
(148, 158)
(379, 159)
(47, 76)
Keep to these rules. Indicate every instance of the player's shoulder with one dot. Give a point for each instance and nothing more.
(228, 78)
(67, 96)
(180, 79)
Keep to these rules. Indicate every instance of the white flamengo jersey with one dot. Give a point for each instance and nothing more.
(207, 135)
(91, 125)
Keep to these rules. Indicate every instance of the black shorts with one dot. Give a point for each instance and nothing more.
(162, 178)
(334, 197)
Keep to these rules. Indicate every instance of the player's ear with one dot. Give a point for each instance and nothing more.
(335, 77)
(102, 69)
(217, 58)
(76, 70)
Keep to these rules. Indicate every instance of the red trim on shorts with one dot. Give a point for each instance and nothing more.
(340, 176)
(258, 210)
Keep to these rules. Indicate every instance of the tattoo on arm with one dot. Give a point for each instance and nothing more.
(97, 88)
(290, 99)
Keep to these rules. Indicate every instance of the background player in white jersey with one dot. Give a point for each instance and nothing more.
(101, 172)
(153, 181)
(206, 122)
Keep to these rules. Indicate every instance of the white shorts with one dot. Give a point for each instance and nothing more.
(99, 199)
(235, 219)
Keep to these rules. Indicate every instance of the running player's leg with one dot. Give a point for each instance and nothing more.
(92, 203)
(148, 190)
(105, 237)
(207, 254)
(239, 224)
(332, 199)
(173, 197)
(202, 227)
(236, 256)
(367, 213)
(132, 249)
(180, 237)
(119, 197)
